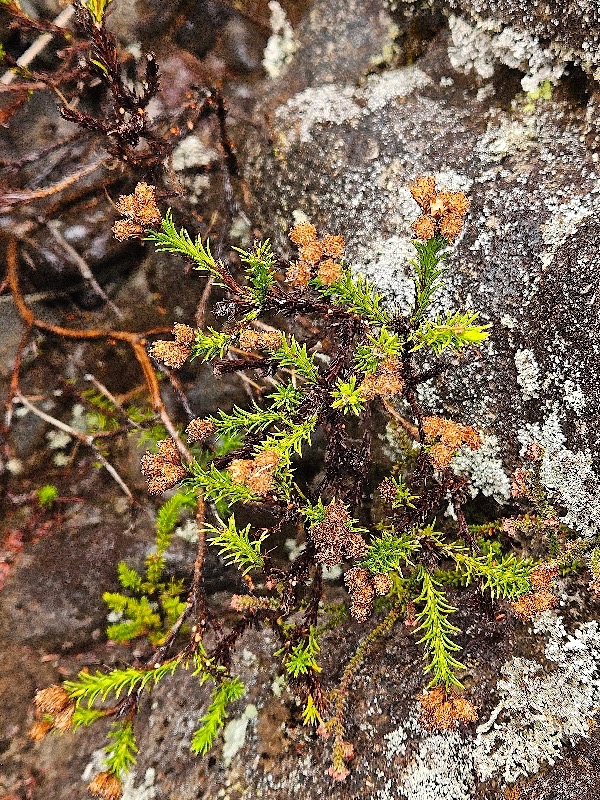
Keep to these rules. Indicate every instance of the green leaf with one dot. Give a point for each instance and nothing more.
(46, 495)
(294, 356)
(121, 749)
(99, 685)
(389, 552)
(429, 267)
(302, 657)
(210, 345)
(437, 630)
(359, 297)
(260, 271)
(347, 397)
(455, 332)
(218, 486)
(236, 547)
(128, 577)
(229, 690)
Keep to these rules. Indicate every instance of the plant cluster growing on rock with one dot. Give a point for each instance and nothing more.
(336, 356)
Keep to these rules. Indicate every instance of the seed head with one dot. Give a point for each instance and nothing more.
(385, 382)
(445, 437)
(199, 429)
(423, 191)
(260, 340)
(329, 271)
(443, 709)
(106, 786)
(255, 473)
(298, 274)
(360, 587)
(303, 234)
(39, 730)
(51, 700)
(333, 246)
(528, 605)
(424, 227)
(382, 583)
(164, 469)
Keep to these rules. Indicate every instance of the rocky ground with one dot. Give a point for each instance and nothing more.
(334, 107)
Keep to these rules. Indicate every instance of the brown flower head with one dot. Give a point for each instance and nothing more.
(303, 234)
(140, 211)
(528, 605)
(51, 700)
(63, 721)
(445, 437)
(329, 271)
(385, 382)
(423, 191)
(106, 787)
(298, 274)
(260, 340)
(255, 473)
(175, 354)
(332, 538)
(360, 587)
(382, 583)
(543, 576)
(333, 246)
(164, 469)
(312, 253)
(200, 429)
(443, 709)
(39, 730)
(443, 211)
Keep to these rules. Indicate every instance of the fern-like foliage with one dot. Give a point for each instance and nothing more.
(429, 267)
(84, 716)
(227, 692)
(310, 713)
(242, 420)
(302, 658)
(209, 345)
(348, 397)
(219, 486)
(121, 749)
(385, 345)
(170, 240)
(506, 576)
(236, 546)
(389, 552)
(91, 686)
(437, 630)
(455, 332)
(294, 356)
(359, 297)
(260, 270)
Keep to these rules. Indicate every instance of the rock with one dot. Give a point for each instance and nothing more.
(343, 155)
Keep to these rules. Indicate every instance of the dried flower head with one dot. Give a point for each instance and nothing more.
(543, 576)
(360, 587)
(445, 437)
(385, 382)
(140, 210)
(333, 246)
(39, 729)
(175, 354)
(302, 234)
(63, 721)
(164, 469)
(443, 211)
(106, 786)
(246, 602)
(443, 710)
(528, 605)
(424, 227)
(382, 583)
(329, 271)
(312, 253)
(51, 700)
(255, 473)
(333, 539)
(200, 429)
(260, 340)
(423, 191)
(519, 485)
(298, 274)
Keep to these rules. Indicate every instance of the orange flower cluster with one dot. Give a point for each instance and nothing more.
(106, 786)
(320, 256)
(140, 211)
(56, 703)
(260, 340)
(443, 211)
(164, 469)
(333, 540)
(540, 598)
(443, 710)
(255, 473)
(363, 586)
(385, 382)
(200, 429)
(445, 437)
(175, 354)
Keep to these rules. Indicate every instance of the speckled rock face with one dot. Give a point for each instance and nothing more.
(343, 154)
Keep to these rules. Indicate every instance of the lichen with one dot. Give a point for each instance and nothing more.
(528, 373)
(282, 43)
(485, 468)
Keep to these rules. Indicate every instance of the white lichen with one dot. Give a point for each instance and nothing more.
(146, 790)
(392, 84)
(541, 708)
(478, 48)
(528, 373)
(484, 468)
(234, 733)
(282, 43)
(191, 153)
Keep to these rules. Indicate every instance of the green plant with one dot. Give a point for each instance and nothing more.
(414, 565)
